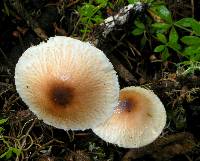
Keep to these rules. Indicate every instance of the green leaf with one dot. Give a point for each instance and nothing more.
(149, 1)
(175, 46)
(85, 31)
(1, 129)
(163, 12)
(189, 23)
(111, 5)
(87, 10)
(162, 38)
(185, 22)
(98, 19)
(132, 1)
(165, 54)
(192, 53)
(6, 9)
(191, 40)
(139, 24)
(7, 154)
(137, 31)
(2, 121)
(84, 20)
(196, 58)
(159, 48)
(173, 35)
(16, 151)
(3, 155)
(196, 27)
(189, 51)
(102, 2)
(161, 27)
(184, 63)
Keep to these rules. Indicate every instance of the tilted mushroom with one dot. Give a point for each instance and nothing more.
(137, 121)
(67, 83)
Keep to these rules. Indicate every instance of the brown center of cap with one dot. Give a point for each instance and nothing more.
(61, 95)
(124, 106)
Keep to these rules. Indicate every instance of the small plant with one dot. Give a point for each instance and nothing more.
(8, 153)
(2, 122)
(170, 37)
(91, 14)
(10, 150)
(181, 37)
(171, 42)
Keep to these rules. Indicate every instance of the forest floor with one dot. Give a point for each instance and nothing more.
(24, 137)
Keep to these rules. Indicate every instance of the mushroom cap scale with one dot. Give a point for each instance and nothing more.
(67, 83)
(137, 121)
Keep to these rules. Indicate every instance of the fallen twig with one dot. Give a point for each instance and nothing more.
(113, 22)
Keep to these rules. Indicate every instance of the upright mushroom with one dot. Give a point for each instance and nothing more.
(67, 83)
(137, 121)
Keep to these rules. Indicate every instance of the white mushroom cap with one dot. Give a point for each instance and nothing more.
(67, 83)
(137, 121)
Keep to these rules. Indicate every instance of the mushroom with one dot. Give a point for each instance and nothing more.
(138, 119)
(67, 83)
